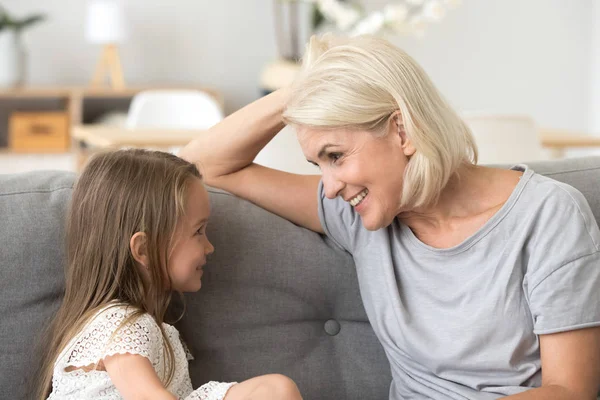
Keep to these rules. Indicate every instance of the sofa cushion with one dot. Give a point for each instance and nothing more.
(32, 215)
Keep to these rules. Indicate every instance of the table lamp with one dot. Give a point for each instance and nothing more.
(106, 26)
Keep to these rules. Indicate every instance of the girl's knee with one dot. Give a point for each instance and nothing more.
(282, 386)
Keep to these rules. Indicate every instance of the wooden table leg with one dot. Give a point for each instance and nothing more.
(557, 153)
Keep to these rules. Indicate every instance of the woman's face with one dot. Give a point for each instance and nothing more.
(365, 170)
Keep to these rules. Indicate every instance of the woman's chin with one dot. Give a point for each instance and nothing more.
(371, 224)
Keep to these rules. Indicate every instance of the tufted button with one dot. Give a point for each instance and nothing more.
(332, 327)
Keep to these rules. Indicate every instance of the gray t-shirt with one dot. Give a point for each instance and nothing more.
(462, 323)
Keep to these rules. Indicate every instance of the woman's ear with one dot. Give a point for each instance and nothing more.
(139, 249)
(397, 128)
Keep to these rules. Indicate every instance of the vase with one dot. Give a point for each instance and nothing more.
(293, 27)
(12, 59)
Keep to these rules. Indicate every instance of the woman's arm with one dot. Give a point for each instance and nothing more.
(570, 366)
(225, 153)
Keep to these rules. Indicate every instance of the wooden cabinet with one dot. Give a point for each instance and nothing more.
(39, 131)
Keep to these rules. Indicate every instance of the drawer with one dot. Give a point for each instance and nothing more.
(39, 131)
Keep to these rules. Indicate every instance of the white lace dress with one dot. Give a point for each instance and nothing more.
(96, 341)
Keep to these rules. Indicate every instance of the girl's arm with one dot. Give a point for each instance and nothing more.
(135, 379)
(225, 153)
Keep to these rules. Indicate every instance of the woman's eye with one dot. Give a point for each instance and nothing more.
(335, 156)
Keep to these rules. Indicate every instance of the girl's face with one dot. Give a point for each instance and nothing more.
(191, 245)
(365, 170)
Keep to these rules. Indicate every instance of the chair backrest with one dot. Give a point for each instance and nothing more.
(505, 139)
(173, 109)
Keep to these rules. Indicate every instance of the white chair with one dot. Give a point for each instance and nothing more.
(173, 109)
(505, 139)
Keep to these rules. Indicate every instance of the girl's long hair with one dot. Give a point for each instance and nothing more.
(118, 194)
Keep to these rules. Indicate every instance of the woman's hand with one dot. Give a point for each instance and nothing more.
(232, 144)
(225, 154)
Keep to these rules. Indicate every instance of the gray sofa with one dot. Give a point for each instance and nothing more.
(275, 297)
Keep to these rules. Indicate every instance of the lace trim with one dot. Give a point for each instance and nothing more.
(105, 336)
(211, 391)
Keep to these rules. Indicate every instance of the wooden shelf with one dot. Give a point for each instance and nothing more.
(82, 104)
(41, 92)
(555, 138)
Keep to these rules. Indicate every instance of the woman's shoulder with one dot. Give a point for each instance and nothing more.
(559, 211)
(556, 194)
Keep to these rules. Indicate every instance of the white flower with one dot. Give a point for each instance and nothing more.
(395, 13)
(414, 2)
(370, 25)
(433, 10)
(344, 16)
(347, 18)
(452, 3)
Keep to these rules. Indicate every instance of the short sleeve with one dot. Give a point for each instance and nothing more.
(339, 220)
(211, 391)
(110, 333)
(569, 298)
(563, 277)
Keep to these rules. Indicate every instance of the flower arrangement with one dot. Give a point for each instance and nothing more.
(397, 17)
(296, 20)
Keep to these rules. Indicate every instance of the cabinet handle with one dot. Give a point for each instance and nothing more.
(39, 129)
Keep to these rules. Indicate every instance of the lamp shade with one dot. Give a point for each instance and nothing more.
(105, 21)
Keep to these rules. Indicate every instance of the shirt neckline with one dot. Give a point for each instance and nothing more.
(485, 229)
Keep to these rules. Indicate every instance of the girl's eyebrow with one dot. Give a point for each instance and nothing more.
(201, 222)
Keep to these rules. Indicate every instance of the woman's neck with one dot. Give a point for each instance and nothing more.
(470, 198)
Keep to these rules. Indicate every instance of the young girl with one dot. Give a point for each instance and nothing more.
(136, 232)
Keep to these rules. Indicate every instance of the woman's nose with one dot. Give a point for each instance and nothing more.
(332, 185)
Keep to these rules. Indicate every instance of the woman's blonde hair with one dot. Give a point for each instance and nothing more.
(118, 194)
(358, 83)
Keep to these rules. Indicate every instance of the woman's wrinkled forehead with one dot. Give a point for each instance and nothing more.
(311, 138)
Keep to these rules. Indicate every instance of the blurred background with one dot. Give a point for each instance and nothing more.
(526, 73)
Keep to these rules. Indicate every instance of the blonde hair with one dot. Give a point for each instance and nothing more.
(118, 194)
(358, 83)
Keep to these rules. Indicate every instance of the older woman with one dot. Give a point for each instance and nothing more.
(479, 282)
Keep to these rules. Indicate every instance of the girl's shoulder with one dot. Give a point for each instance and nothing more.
(118, 316)
(114, 329)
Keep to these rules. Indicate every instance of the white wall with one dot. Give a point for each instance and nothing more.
(222, 43)
(594, 105)
(514, 56)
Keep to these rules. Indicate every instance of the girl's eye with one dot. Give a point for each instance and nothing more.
(200, 230)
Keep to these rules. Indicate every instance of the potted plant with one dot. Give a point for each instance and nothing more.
(12, 51)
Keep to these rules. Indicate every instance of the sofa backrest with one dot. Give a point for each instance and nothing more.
(276, 298)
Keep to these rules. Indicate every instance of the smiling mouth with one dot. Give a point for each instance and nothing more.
(355, 201)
